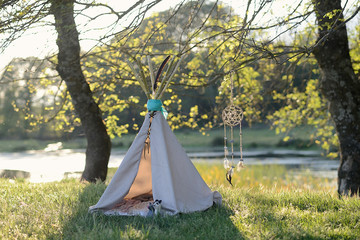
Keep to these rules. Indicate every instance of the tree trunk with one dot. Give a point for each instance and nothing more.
(341, 87)
(98, 141)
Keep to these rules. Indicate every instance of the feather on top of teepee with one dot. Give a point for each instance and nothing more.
(162, 66)
(158, 84)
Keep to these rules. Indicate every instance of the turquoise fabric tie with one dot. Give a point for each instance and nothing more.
(156, 105)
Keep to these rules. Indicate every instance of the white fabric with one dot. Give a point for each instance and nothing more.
(174, 178)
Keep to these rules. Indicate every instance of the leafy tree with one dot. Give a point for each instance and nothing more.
(243, 42)
(217, 44)
(341, 87)
(25, 89)
(16, 18)
(331, 102)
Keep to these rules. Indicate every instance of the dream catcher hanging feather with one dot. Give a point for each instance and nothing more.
(232, 116)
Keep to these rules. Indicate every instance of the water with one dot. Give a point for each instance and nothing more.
(47, 166)
(55, 164)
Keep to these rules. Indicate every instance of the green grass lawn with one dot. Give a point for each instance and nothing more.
(266, 202)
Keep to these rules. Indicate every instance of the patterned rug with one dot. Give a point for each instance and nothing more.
(132, 207)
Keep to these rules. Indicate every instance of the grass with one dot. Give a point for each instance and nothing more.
(266, 202)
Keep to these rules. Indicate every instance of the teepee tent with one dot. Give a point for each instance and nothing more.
(156, 167)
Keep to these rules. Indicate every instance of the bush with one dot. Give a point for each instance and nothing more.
(295, 143)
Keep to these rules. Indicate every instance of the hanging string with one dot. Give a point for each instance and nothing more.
(231, 90)
(241, 154)
(226, 161)
(241, 162)
(232, 145)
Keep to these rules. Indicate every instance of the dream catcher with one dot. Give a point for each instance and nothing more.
(232, 116)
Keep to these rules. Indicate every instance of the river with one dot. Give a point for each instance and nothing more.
(54, 165)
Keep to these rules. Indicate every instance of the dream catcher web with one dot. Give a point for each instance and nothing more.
(232, 116)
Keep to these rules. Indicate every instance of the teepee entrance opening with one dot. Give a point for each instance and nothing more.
(142, 186)
(140, 194)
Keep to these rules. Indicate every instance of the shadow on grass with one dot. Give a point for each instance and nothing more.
(215, 223)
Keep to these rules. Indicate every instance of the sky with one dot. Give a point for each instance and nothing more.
(40, 42)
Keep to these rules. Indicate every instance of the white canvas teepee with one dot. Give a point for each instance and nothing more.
(156, 167)
(163, 171)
